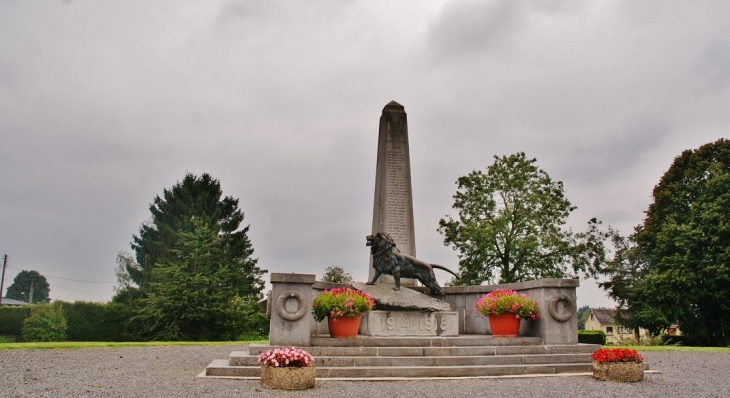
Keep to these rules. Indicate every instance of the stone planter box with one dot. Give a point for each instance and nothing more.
(292, 378)
(618, 371)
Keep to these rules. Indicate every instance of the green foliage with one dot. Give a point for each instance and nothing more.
(583, 313)
(341, 303)
(336, 274)
(87, 321)
(193, 268)
(682, 340)
(510, 226)
(200, 295)
(592, 337)
(11, 319)
(45, 323)
(20, 289)
(7, 339)
(74, 345)
(251, 322)
(126, 291)
(627, 272)
(685, 244)
(183, 208)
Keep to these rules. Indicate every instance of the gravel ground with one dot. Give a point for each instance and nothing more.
(172, 371)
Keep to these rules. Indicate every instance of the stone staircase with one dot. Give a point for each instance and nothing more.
(397, 358)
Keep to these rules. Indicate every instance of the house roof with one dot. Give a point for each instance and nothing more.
(9, 301)
(604, 316)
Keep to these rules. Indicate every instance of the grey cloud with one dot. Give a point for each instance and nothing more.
(466, 27)
(713, 64)
(102, 105)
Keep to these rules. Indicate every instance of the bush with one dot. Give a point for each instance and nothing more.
(46, 323)
(89, 321)
(684, 340)
(7, 339)
(11, 319)
(592, 337)
(252, 324)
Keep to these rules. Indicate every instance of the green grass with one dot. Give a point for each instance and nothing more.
(669, 348)
(75, 345)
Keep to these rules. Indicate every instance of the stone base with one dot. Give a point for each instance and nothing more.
(290, 378)
(618, 371)
(409, 323)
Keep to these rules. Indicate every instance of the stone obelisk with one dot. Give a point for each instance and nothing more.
(393, 205)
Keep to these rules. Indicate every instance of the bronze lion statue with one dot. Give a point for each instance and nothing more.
(388, 260)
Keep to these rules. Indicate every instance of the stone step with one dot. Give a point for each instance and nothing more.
(325, 351)
(357, 361)
(420, 341)
(221, 368)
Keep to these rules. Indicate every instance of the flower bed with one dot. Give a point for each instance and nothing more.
(287, 369)
(501, 301)
(341, 303)
(618, 364)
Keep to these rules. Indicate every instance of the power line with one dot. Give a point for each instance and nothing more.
(66, 279)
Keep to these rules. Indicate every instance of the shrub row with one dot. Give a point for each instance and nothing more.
(79, 321)
(11, 319)
(89, 321)
(592, 337)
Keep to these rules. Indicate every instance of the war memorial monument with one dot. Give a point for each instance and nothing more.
(411, 334)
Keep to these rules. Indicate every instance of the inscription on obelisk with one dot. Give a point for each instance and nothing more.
(393, 207)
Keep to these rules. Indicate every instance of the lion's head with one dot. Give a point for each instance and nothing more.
(379, 242)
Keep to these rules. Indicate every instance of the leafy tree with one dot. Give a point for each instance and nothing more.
(583, 316)
(20, 289)
(511, 226)
(686, 238)
(192, 263)
(336, 274)
(627, 272)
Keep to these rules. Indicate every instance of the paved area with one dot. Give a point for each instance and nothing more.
(172, 372)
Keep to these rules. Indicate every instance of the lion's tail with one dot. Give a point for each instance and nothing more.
(445, 269)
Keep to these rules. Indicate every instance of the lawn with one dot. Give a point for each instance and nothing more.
(669, 348)
(74, 345)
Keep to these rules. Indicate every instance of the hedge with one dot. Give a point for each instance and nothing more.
(89, 321)
(11, 319)
(592, 337)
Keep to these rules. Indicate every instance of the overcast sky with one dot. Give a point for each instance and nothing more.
(105, 103)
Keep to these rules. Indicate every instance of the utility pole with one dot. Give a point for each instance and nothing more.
(2, 281)
(30, 295)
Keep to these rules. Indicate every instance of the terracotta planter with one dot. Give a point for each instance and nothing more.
(287, 378)
(505, 325)
(618, 371)
(343, 327)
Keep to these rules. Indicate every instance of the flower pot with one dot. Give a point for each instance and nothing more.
(618, 371)
(505, 325)
(343, 326)
(287, 378)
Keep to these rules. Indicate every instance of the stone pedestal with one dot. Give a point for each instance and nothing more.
(287, 378)
(618, 371)
(409, 323)
(291, 306)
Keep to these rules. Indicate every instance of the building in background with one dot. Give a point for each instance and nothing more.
(605, 319)
(13, 302)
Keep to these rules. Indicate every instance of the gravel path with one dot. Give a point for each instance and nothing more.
(172, 371)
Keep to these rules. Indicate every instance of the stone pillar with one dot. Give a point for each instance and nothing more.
(393, 204)
(291, 314)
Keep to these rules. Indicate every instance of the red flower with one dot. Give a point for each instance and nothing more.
(616, 355)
